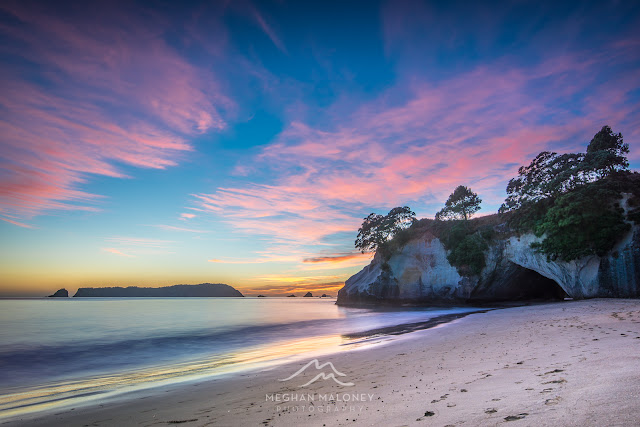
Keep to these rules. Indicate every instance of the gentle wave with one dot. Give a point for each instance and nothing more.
(78, 351)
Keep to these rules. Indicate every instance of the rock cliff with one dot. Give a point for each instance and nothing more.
(419, 272)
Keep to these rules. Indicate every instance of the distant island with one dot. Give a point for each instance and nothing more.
(201, 290)
(60, 293)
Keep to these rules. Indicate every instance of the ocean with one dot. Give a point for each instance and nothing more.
(56, 352)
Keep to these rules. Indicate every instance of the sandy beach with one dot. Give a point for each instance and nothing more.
(573, 363)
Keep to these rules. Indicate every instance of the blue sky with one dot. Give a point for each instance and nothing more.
(243, 142)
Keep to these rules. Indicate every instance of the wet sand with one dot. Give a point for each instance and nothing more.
(572, 363)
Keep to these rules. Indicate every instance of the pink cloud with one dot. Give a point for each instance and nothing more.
(19, 224)
(335, 258)
(117, 252)
(268, 30)
(474, 128)
(112, 91)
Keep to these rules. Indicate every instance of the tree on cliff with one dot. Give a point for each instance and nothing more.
(550, 175)
(572, 201)
(461, 204)
(376, 229)
(606, 153)
(586, 221)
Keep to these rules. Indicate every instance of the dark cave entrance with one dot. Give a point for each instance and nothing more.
(520, 284)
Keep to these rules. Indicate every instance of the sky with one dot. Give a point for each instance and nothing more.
(243, 142)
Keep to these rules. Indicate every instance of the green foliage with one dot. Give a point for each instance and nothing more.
(548, 175)
(468, 254)
(377, 230)
(572, 200)
(528, 215)
(397, 242)
(584, 222)
(606, 153)
(487, 233)
(467, 247)
(461, 204)
(456, 234)
(551, 174)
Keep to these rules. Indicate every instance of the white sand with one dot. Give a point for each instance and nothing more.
(563, 364)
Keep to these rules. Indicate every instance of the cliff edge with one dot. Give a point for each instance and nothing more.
(419, 271)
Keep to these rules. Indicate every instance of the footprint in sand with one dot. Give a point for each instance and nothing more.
(560, 381)
(553, 401)
(515, 417)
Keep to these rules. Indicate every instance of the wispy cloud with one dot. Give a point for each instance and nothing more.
(279, 278)
(127, 246)
(473, 128)
(181, 229)
(117, 252)
(139, 242)
(19, 224)
(265, 260)
(318, 288)
(335, 258)
(335, 261)
(103, 90)
(268, 30)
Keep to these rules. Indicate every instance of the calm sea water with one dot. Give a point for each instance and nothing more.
(56, 351)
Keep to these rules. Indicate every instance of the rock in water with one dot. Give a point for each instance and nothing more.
(60, 293)
(308, 294)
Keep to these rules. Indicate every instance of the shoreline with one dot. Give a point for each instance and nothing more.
(94, 390)
(566, 363)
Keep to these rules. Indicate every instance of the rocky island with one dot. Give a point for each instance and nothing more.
(201, 290)
(570, 227)
(60, 293)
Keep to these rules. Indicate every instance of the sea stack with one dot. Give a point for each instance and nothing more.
(308, 294)
(60, 293)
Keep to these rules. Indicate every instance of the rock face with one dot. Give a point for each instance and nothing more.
(420, 272)
(60, 293)
(201, 290)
